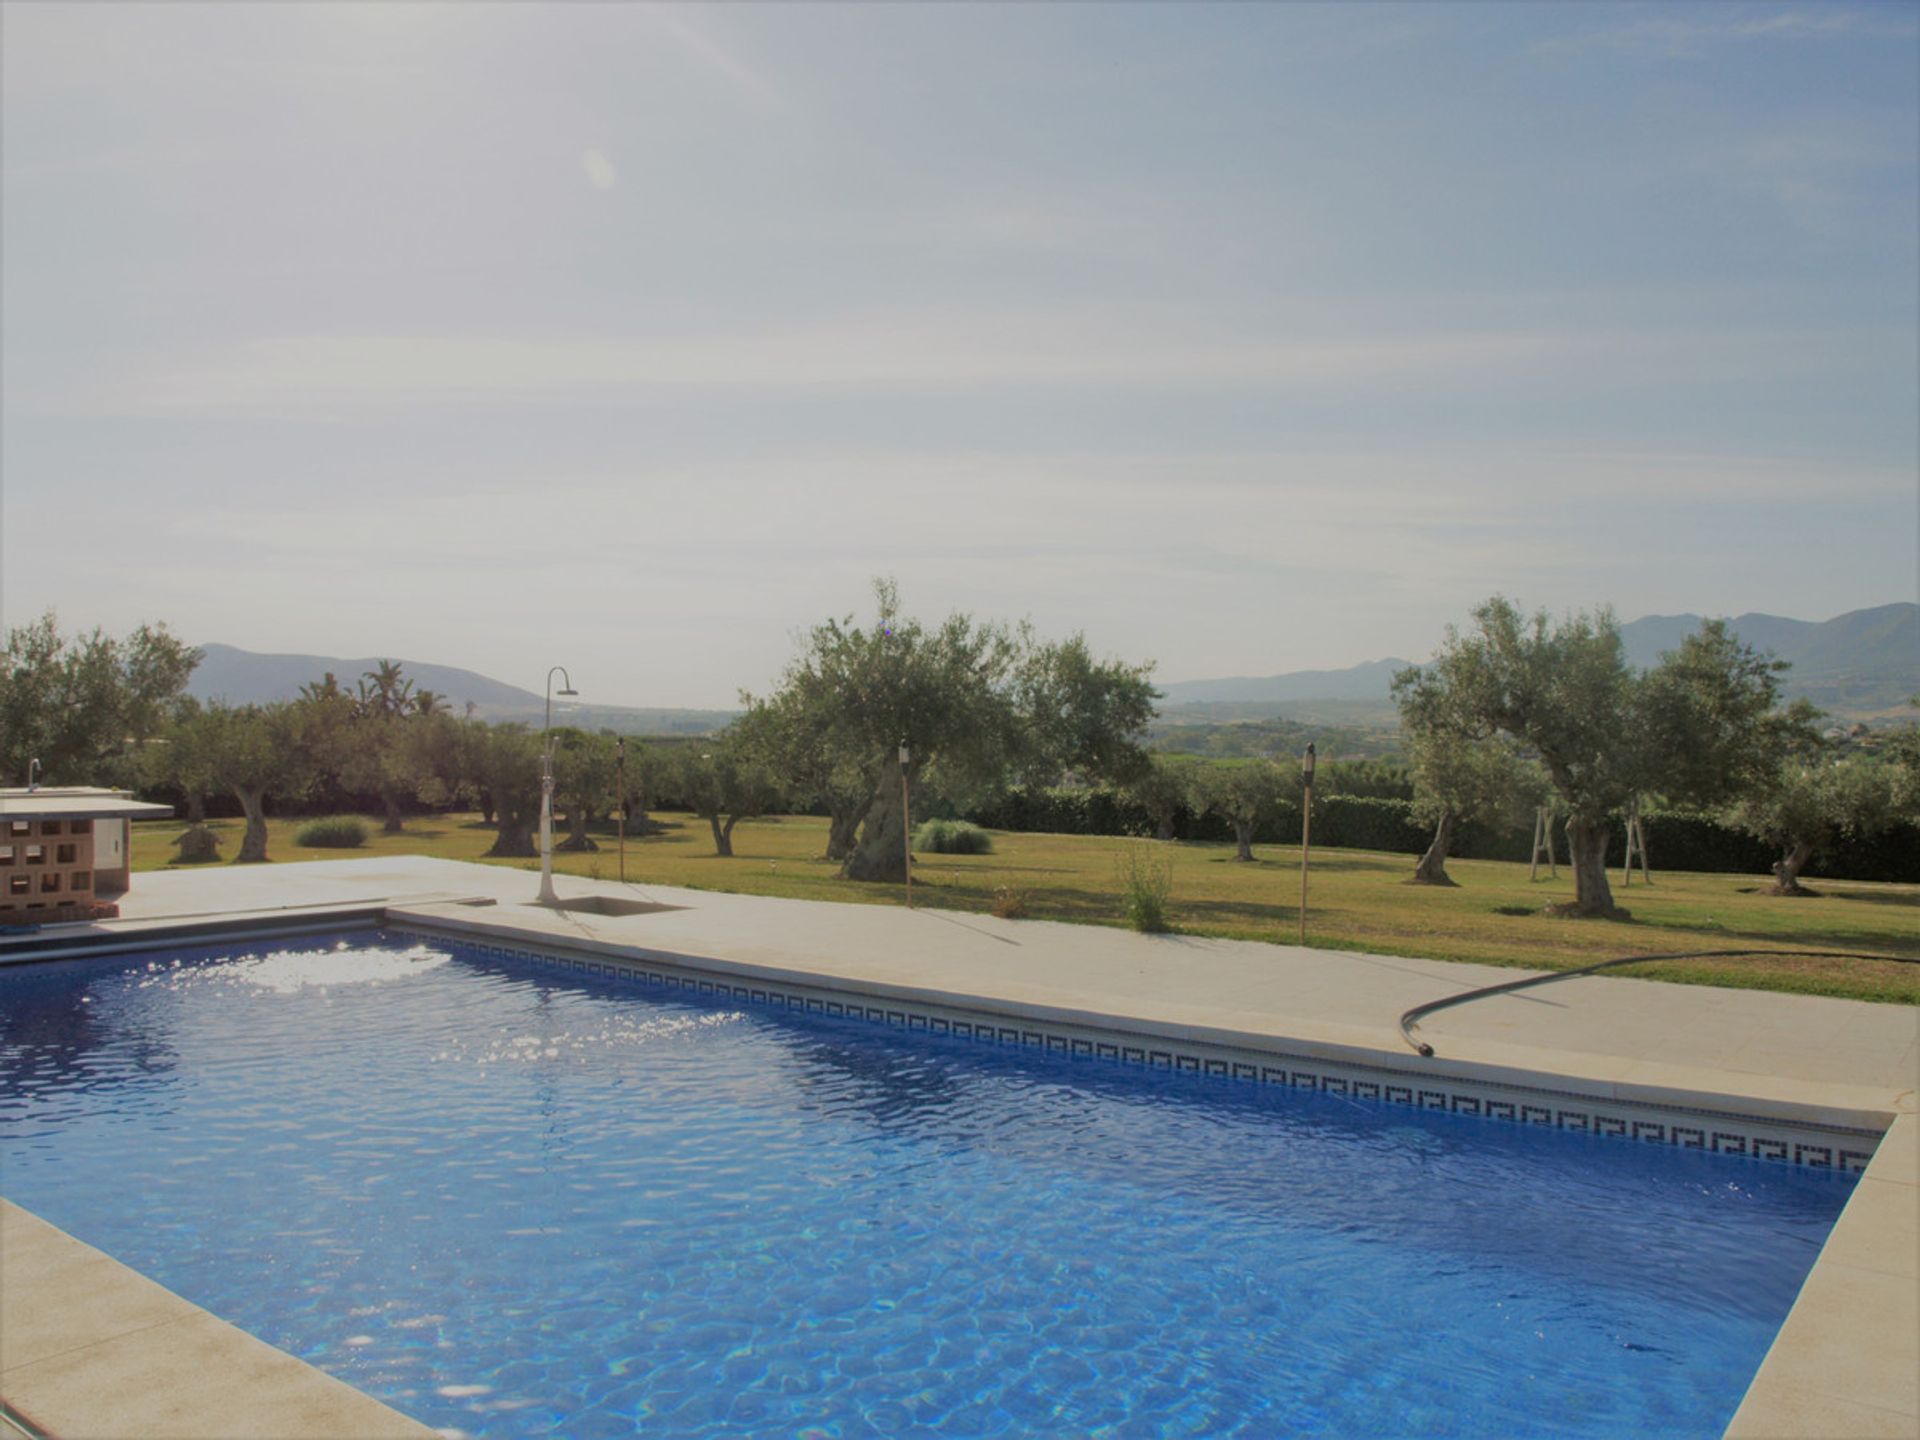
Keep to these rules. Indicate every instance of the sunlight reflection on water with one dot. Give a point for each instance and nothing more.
(286, 972)
(590, 1043)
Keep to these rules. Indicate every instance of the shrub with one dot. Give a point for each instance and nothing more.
(1009, 903)
(952, 837)
(1146, 887)
(341, 833)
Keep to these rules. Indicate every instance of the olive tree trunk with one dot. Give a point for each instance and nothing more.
(1786, 870)
(1163, 825)
(196, 808)
(253, 845)
(723, 834)
(1432, 869)
(390, 802)
(843, 823)
(514, 837)
(1592, 895)
(1242, 839)
(881, 852)
(577, 838)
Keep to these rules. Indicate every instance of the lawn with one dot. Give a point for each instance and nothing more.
(1358, 899)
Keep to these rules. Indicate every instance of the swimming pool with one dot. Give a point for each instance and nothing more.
(512, 1202)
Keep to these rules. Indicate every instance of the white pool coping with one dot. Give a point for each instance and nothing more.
(92, 1350)
(1847, 1360)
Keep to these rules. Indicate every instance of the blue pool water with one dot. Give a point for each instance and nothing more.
(516, 1203)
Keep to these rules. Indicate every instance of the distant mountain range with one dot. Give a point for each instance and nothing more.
(1368, 681)
(1861, 665)
(244, 677)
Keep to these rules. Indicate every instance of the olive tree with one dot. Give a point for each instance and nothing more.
(1463, 768)
(1902, 754)
(1693, 729)
(583, 783)
(182, 757)
(82, 706)
(258, 752)
(1813, 796)
(430, 755)
(975, 703)
(646, 766)
(1163, 789)
(364, 740)
(724, 783)
(381, 759)
(1241, 794)
(1456, 780)
(502, 762)
(804, 737)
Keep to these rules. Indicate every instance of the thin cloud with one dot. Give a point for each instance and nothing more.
(1676, 39)
(722, 61)
(1265, 535)
(338, 374)
(938, 351)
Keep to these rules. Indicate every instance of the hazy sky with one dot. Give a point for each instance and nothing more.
(1251, 338)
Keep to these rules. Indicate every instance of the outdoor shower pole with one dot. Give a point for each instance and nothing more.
(1306, 834)
(620, 767)
(547, 896)
(906, 822)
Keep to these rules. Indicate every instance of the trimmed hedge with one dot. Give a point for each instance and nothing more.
(343, 833)
(1675, 840)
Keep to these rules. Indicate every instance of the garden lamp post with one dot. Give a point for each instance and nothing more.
(547, 897)
(906, 821)
(1306, 833)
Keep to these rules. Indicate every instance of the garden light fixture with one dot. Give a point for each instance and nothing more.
(906, 820)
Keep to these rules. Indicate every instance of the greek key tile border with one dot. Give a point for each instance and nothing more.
(1750, 1136)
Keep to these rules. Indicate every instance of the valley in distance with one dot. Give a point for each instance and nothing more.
(1860, 667)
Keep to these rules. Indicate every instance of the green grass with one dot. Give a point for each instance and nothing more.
(1358, 899)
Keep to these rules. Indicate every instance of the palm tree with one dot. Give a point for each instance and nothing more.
(327, 688)
(389, 692)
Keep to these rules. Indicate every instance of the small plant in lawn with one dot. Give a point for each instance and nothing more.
(1146, 887)
(952, 837)
(1009, 903)
(339, 833)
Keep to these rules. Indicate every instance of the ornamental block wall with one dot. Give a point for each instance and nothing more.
(46, 866)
